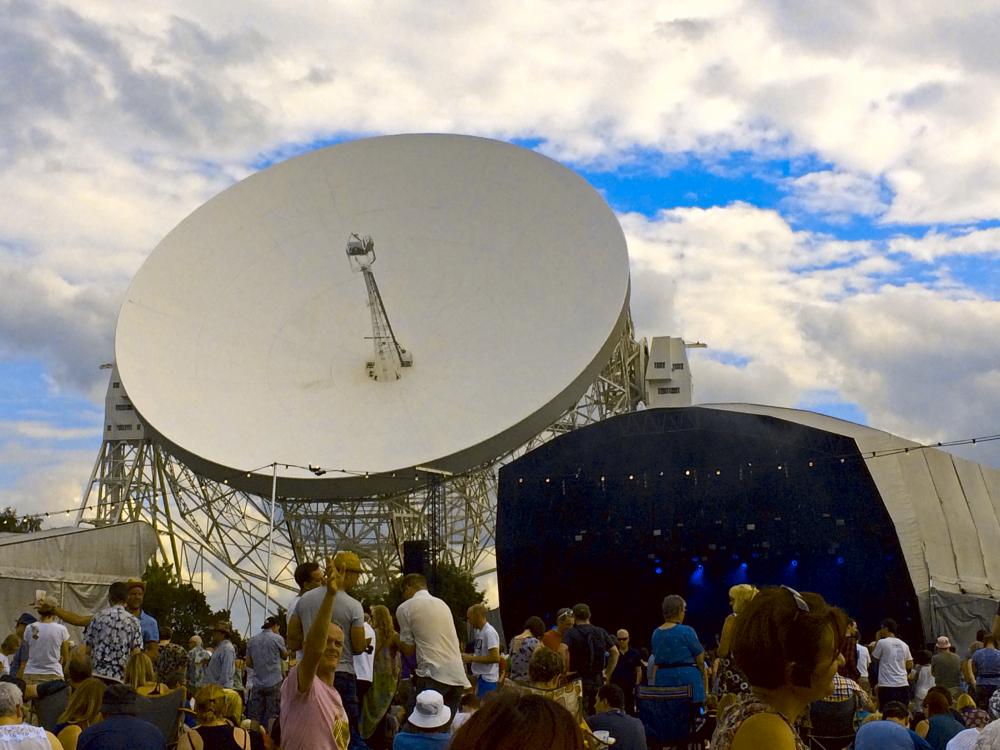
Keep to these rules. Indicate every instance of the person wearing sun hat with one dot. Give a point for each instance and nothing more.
(946, 667)
(427, 725)
(222, 666)
(133, 603)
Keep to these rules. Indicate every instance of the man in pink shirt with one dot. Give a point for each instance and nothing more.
(312, 714)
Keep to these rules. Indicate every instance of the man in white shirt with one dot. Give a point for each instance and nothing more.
(485, 656)
(427, 630)
(894, 664)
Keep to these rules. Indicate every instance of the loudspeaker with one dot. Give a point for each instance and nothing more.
(416, 556)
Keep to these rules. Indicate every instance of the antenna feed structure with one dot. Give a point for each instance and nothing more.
(389, 357)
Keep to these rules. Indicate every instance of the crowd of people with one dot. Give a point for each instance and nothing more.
(788, 670)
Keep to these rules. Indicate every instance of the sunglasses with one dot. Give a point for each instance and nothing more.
(800, 603)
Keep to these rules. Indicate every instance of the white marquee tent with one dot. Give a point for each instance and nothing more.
(74, 565)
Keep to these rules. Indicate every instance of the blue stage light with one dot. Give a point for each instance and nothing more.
(743, 566)
(795, 563)
(840, 561)
(658, 570)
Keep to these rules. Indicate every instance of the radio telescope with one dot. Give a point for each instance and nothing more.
(252, 361)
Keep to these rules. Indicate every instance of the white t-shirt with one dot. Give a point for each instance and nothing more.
(485, 639)
(964, 740)
(460, 718)
(4, 664)
(364, 663)
(45, 640)
(892, 655)
(923, 682)
(426, 622)
(864, 659)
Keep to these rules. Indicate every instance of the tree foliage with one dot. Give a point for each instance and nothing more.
(180, 606)
(11, 522)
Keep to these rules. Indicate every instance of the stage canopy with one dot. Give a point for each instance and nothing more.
(693, 500)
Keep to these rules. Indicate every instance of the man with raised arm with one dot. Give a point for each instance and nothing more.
(312, 714)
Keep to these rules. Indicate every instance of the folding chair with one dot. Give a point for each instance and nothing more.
(569, 696)
(832, 724)
(667, 715)
(164, 712)
(50, 708)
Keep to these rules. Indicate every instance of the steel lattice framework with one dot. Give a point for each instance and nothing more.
(207, 526)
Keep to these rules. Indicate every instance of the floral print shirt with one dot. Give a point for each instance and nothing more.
(113, 634)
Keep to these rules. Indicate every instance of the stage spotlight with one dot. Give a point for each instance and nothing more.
(795, 563)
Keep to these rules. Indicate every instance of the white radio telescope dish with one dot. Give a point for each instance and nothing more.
(246, 338)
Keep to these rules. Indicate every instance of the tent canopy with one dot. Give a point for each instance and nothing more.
(74, 565)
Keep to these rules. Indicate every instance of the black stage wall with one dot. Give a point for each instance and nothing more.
(692, 501)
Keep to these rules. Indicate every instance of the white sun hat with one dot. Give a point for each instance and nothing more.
(430, 711)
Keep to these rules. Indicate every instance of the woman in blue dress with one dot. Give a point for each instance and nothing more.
(678, 656)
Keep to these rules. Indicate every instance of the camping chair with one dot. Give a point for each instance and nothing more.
(832, 723)
(666, 713)
(50, 708)
(569, 696)
(164, 712)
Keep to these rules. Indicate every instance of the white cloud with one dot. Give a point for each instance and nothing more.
(914, 358)
(934, 245)
(46, 479)
(836, 195)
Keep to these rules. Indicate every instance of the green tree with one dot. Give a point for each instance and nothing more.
(11, 522)
(179, 606)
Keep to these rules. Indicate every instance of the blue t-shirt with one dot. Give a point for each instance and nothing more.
(150, 628)
(986, 664)
(942, 728)
(421, 740)
(627, 730)
(888, 735)
(121, 732)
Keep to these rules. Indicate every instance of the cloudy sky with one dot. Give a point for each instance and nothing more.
(811, 188)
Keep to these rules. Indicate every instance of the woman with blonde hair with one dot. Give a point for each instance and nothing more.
(140, 674)
(213, 730)
(727, 675)
(385, 677)
(83, 709)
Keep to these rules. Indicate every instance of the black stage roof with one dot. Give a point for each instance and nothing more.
(691, 501)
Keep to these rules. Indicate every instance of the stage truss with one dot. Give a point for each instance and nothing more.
(206, 527)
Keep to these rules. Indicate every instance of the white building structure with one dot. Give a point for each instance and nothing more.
(668, 375)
